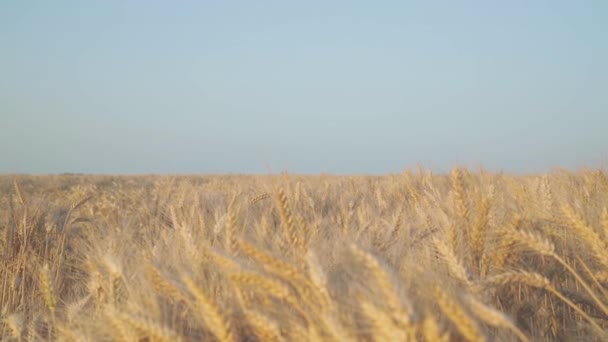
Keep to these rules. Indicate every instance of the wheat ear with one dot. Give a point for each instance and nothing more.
(210, 313)
(386, 286)
(494, 317)
(47, 290)
(384, 327)
(19, 193)
(15, 323)
(546, 247)
(163, 285)
(605, 222)
(430, 331)
(537, 280)
(263, 327)
(480, 227)
(262, 284)
(287, 220)
(588, 234)
(467, 327)
(460, 197)
(287, 272)
(456, 268)
(149, 328)
(260, 198)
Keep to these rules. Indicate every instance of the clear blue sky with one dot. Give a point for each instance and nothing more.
(307, 87)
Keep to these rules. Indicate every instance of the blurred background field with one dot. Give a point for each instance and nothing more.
(413, 256)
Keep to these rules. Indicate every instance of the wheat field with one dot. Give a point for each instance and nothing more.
(417, 256)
